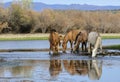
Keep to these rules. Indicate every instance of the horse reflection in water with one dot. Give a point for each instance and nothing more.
(76, 67)
(92, 68)
(82, 67)
(55, 67)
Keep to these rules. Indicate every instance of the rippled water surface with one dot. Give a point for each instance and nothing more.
(42, 67)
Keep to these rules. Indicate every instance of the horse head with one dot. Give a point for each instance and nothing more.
(64, 46)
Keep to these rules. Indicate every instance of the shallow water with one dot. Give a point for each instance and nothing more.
(55, 70)
(36, 44)
(42, 67)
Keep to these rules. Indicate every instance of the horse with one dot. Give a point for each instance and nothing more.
(54, 41)
(70, 36)
(61, 36)
(81, 38)
(94, 40)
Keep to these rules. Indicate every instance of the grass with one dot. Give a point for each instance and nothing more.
(24, 38)
(8, 37)
(112, 47)
(40, 36)
(111, 36)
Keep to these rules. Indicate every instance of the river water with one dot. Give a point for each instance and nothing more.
(42, 67)
(36, 44)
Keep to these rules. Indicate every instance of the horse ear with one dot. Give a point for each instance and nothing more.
(79, 33)
(52, 30)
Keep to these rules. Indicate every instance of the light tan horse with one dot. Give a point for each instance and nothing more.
(54, 40)
(81, 37)
(94, 42)
(70, 36)
(94, 69)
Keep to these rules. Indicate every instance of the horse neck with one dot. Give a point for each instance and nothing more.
(76, 39)
(65, 39)
(97, 42)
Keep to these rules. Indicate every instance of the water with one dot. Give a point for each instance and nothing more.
(42, 67)
(36, 44)
(98, 70)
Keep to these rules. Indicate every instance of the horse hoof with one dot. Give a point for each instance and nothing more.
(49, 53)
(64, 51)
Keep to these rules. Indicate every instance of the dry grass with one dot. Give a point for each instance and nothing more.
(38, 36)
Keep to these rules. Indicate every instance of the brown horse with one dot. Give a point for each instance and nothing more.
(81, 38)
(54, 40)
(70, 36)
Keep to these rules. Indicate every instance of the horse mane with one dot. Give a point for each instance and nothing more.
(65, 37)
(77, 37)
(52, 30)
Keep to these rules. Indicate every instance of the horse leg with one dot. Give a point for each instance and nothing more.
(76, 47)
(57, 47)
(82, 46)
(71, 43)
(89, 47)
(101, 46)
(50, 49)
(85, 46)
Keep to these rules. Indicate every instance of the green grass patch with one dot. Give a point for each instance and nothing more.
(112, 47)
(110, 37)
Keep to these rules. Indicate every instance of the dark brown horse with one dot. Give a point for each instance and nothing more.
(54, 40)
(81, 37)
(70, 36)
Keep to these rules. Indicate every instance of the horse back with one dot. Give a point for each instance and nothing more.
(92, 37)
(74, 34)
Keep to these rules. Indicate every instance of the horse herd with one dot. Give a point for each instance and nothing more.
(75, 37)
